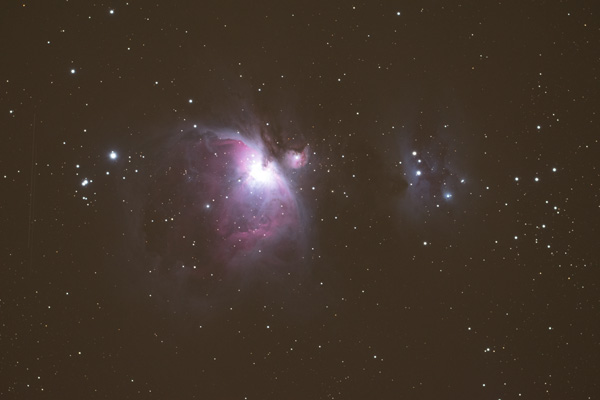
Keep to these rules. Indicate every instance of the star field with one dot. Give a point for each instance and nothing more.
(280, 200)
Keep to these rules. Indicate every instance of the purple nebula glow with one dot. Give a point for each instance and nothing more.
(294, 159)
(233, 205)
(256, 207)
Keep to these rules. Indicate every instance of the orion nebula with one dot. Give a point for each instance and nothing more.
(222, 201)
(299, 200)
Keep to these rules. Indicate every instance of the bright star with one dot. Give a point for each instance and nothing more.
(261, 174)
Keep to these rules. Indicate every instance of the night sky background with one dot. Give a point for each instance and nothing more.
(435, 165)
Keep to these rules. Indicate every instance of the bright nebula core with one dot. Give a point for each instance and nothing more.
(223, 201)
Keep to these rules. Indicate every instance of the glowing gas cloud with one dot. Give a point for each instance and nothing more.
(222, 200)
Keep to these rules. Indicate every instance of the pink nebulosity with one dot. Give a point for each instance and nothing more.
(223, 202)
(294, 159)
(252, 207)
